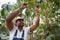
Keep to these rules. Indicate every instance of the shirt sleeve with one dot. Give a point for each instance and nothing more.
(13, 29)
(28, 29)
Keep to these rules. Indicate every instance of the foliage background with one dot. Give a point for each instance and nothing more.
(49, 27)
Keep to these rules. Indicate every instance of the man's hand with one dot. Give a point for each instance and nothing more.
(24, 5)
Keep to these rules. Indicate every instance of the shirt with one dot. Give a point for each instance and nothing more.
(19, 33)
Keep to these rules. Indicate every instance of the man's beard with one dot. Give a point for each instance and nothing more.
(21, 25)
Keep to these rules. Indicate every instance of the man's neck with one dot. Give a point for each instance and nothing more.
(20, 28)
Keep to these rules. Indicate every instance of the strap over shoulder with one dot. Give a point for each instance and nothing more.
(15, 33)
(23, 34)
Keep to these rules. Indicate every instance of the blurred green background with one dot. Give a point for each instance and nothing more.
(49, 27)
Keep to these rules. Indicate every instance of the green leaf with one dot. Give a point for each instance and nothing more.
(2, 12)
(27, 13)
(26, 0)
(31, 5)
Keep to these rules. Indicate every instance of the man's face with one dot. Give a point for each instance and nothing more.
(20, 23)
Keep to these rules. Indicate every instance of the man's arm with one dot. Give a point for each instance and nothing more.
(9, 19)
(11, 16)
(34, 26)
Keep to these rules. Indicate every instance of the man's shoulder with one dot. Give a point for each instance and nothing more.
(14, 28)
(27, 29)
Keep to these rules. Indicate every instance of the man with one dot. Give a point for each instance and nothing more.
(17, 31)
